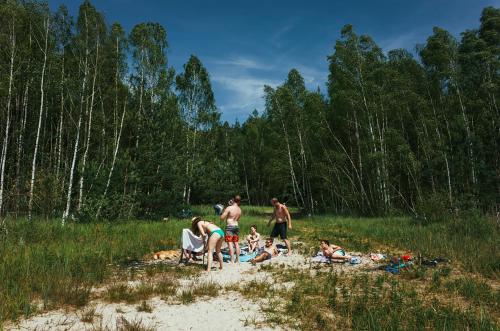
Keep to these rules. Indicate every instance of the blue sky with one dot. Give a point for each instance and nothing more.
(246, 44)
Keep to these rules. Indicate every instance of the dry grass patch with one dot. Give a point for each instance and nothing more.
(145, 307)
(134, 325)
(164, 287)
(88, 315)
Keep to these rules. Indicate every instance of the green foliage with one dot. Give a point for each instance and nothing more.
(394, 134)
(370, 303)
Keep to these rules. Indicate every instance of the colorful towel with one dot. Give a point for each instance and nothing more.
(243, 257)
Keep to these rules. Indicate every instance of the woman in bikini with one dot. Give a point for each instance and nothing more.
(334, 252)
(215, 238)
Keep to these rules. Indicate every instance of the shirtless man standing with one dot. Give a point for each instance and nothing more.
(283, 218)
(232, 215)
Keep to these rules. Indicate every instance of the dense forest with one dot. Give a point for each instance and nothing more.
(95, 123)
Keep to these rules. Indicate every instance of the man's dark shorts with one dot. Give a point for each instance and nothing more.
(279, 229)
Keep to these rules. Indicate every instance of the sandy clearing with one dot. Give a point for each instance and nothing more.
(228, 311)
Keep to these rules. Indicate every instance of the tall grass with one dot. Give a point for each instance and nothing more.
(44, 264)
(367, 302)
(471, 240)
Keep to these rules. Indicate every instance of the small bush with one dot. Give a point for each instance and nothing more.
(434, 208)
(186, 297)
(144, 307)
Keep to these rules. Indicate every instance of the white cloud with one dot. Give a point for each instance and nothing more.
(276, 37)
(407, 41)
(312, 76)
(244, 63)
(239, 87)
(243, 94)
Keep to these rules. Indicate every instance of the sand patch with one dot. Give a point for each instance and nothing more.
(228, 311)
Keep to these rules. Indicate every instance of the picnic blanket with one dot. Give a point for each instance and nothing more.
(244, 256)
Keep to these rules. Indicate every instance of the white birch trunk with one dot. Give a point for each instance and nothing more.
(370, 120)
(246, 180)
(358, 175)
(7, 124)
(20, 141)
(115, 153)
(77, 139)
(295, 186)
(445, 155)
(469, 137)
(61, 121)
(37, 141)
(467, 127)
(89, 130)
(303, 160)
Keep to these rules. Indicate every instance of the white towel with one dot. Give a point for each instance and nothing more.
(191, 242)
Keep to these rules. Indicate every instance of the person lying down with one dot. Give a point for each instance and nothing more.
(333, 252)
(267, 253)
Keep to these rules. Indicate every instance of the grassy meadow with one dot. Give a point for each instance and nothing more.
(46, 266)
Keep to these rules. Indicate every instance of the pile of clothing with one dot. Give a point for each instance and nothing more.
(320, 258)
(395, 264)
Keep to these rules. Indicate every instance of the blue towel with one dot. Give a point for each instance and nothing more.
(243, 257)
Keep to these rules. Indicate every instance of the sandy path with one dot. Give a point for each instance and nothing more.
(228, 311)
(221, 313)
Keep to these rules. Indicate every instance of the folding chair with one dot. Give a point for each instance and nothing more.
(191, 242)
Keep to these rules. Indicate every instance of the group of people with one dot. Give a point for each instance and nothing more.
(231, 216)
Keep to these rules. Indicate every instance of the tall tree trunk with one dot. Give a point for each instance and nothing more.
(22, 129)
(77, 139)
(442, 143)
(7, 124)
(89, 130)
(469, 137)
(61, 121)
(303, 161)
(37, 141)
(246, 180)
(358, 175)
(3, 154)
(115, 153)
(296, 189)
(20, 142)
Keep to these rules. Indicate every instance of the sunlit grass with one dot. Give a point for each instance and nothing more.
(45, 263)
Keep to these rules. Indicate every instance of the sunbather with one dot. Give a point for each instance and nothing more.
(214, 241)
(269, 251)
(253, 239)
(334, 252)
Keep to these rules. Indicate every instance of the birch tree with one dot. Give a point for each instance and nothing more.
(12, 39)
(197, 105)
(82, 42)
(40, 116)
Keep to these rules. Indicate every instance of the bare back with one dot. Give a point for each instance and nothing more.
(232, 214)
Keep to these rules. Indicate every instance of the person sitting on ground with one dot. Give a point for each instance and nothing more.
(269, 251)
(334, 252)
(253, 239)
(214, 241)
